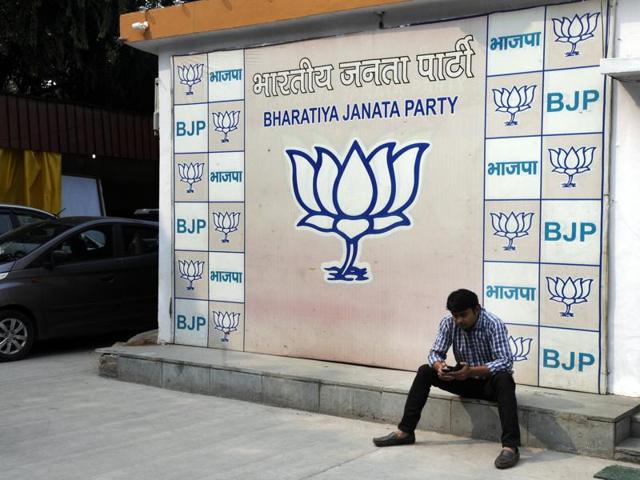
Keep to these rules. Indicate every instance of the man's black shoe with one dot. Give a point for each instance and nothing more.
(393, 439)
(507, 459)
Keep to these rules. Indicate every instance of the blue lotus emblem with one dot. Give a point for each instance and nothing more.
(226, 322)
(226, 223)
(575, 30)
(189, 75)
(226, 122)
(362, 193)
(520, 348)
(191, 271)
(513, 101)
(570, 291)
(190, 173)
(571, 162)
(511, 226)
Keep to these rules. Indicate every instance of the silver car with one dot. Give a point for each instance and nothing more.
(14, 216)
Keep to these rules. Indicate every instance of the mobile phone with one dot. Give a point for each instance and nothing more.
(448, 369)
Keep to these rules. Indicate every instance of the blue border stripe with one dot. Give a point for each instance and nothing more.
(564, 264)
(544, 63)
(544, 70)
(550, 327)
(566, 134)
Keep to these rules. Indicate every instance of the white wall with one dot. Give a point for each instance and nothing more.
(165, 270)
(624, 282)
(624, 234)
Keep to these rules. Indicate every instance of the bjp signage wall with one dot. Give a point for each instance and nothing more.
(329, 194)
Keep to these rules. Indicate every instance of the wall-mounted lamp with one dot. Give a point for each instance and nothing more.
(140, 25)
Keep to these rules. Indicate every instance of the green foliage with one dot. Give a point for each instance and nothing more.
(69, 50)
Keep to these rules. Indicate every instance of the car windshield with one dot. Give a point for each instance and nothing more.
(24, 240)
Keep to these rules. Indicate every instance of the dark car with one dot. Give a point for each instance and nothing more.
(76, 276)
(14, 216)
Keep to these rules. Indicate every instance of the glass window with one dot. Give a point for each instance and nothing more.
(5, 223)
(26, 219)
(139, 240)
(20, 242)
(93, 244)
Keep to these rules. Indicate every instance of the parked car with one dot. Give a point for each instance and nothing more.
(14, 216)
(147, 214)
(76, 276)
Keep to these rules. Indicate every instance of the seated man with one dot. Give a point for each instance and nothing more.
(481, 348)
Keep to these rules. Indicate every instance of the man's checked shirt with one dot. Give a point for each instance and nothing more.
(487, 343)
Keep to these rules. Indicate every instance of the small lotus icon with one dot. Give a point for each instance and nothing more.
(225, 122)
(190, 270)
(189, 75)
(226, 322)
(226, 223)
(511, 226)
(190, 173)
(575, 30)
(569, 292)
(362, 193)
(571, 162)
(520, 348)
(513, 101)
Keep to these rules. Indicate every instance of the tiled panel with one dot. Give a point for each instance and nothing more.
(209, 209)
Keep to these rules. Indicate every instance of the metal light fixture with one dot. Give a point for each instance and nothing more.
(140, 25)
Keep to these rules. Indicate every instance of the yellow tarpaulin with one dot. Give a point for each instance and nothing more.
(31, 178)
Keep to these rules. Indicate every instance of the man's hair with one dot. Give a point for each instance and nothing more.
(460, 300)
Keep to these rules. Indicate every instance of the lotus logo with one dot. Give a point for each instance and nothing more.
(570, 292)
(191, 271)
(225, 122)
(512, 226)
(189, 75)
(513, 101)
(520, 348)
(226, 223)
(190, 173)
(571, 162)
(226, 322)
(362, 193)
(575, 30)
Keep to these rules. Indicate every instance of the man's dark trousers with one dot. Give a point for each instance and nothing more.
(499, 388)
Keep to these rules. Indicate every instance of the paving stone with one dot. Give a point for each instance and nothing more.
(285, 392)
(232, 384)
(186, 378)
(136, 370)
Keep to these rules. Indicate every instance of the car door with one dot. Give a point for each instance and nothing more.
(81, 291)
(139, 255)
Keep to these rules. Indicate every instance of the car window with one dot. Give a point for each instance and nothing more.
(20, 242)
(26, 218)
(93, 244)
(5, 223)
(139, 240)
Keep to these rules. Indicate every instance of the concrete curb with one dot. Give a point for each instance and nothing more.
(564, 421)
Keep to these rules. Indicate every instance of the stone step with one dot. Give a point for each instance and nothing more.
(635, 425)
(554, 419)
(628, 450)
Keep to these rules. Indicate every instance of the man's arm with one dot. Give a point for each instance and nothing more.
(500, 349)
(441, 344)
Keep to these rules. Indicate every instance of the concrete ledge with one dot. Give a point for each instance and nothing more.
(557, 420)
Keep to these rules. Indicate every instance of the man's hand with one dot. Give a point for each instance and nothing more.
(462, 374)
(442, 375)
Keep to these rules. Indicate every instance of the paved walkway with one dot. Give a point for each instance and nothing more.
(60, 420)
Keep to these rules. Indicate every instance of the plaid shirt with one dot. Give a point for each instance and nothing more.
(487, 343)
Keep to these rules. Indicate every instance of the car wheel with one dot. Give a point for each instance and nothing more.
(16, 335)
